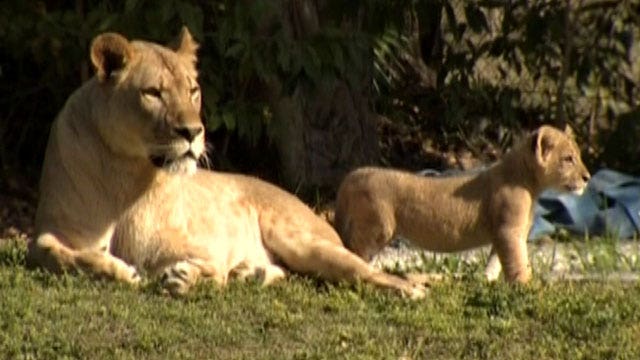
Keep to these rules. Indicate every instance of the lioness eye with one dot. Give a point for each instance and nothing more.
(151, 92)
(194, 92)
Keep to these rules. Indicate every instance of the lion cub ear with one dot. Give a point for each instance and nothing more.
(569, 131)
(185, 46)
(543, 143)
(110, 52)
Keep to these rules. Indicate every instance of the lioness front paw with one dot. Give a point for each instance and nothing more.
(130, 275)
(179, 278)
(135, 277)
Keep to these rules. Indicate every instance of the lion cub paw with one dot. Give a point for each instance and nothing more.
(417, 292)
(425, 279)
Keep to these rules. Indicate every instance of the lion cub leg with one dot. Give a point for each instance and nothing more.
(511, 247)
(371, 230)
(50, 253)
(493, 268)
(427, 279)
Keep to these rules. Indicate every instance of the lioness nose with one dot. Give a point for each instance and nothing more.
(189, 132)
(586, 177)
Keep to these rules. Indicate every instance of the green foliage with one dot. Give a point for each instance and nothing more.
(12, 252)
(259, 57)
(519, 63)
(252, 53)
(499, 65)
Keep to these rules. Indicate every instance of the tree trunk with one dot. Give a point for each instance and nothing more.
(325, 129)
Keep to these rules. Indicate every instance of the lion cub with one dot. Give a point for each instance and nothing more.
(458, 213)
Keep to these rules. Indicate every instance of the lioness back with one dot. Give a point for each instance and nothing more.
(446, 214)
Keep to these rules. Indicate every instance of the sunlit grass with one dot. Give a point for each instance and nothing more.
(45, 317)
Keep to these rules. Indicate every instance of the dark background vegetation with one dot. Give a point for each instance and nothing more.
(301, 91)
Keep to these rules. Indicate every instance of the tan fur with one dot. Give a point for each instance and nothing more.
(120, 190)
(458, 213)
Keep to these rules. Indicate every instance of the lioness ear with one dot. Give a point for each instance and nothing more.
(569, 131)
(543, 143)
(185, 45)
(110, 52)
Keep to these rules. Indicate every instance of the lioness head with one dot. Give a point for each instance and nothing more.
(558, 158)
(152, 108)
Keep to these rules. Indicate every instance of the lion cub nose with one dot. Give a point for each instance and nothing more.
(586, 177)
(189, 132)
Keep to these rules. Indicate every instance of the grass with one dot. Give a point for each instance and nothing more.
(49, 317)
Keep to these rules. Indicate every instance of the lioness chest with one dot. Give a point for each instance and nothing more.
(213, 218)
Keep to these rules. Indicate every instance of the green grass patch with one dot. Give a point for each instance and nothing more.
(43, 316)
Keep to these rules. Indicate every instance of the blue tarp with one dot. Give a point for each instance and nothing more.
(610, 205)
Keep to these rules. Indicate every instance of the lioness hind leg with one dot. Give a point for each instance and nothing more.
(104, 264)
(265, 275)
(335, 263)
(272, 274)
(342, 264)
(51, 254)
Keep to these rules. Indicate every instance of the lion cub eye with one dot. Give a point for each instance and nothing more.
(151, 92)
(569, 159)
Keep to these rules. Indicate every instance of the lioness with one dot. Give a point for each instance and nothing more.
(458, 213)
(120, 188)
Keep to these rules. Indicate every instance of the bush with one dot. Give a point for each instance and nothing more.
(491, 67)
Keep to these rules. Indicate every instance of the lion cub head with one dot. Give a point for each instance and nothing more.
(152, 100)
(558, 160)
